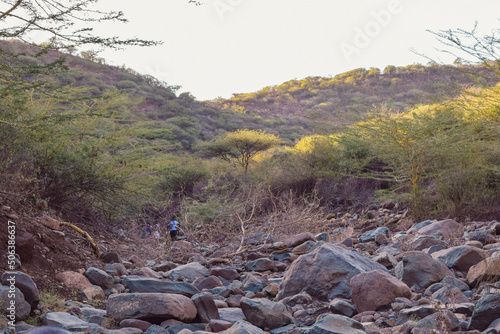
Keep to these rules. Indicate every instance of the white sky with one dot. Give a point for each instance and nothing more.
(237, 46)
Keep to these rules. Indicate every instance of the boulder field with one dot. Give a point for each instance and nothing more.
(435, 277)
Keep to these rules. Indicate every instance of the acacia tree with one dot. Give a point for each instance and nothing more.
(240, 146)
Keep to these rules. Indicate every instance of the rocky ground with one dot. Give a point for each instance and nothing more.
(432, 277)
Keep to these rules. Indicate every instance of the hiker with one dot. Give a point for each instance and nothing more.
(173, 228)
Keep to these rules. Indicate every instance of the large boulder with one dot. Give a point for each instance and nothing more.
(332, 323)
(190, 272)
(487, 270)
(450, 295)
(264, 313)
(325, 272)
(151, 285)
(459, 258)
(445, 320)
(421, 270)
(73, 280)
(62, 320)
(486, 311)
(151, 307)
(24, 283)
(444, 229)
(231, 314)
(376, 289)
(100, 277)
(16, 307)
(205, 305)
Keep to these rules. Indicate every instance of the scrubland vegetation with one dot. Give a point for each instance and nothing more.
(92, 142)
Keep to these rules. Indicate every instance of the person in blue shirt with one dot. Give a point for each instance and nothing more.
(173, 228)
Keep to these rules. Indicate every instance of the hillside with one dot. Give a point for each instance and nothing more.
(342, 99)
(163, 119)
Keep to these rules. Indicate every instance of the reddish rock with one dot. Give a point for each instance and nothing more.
(151, 306)
(263, 264)
(49, 222)
(111, 257)
(217, 261)
(264, 313)
(73, 280)
(444, 228)
(381, 239)
(135, 323)
(459, 258)
(376, 289)
(217, 325)
(148, 272)
(299, 239)
(24, 245)
(487, 270)
(225, 273)
(209, 282)
(421, 270)
(205, 305)
(234, 300)
(426, 242)
(136, 261)
(303, 248)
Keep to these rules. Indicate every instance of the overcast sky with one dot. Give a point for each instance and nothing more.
(236, 46)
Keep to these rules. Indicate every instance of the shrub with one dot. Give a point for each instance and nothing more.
(180, 176)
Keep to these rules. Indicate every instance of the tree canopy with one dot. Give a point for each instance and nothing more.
(240, 146)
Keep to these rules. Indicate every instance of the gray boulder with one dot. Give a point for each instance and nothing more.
(444, 320)
(24, 283)
(62, 320)
(459, 258)
(151, 285)
(370, 235)
(264, 313)
(231, 314)
(100, 277)
(205, 305)
(20, 310)
(444, 229)
(487, 310)
(421, 270)
(342, 307)
(415, 312)
(260, 265)
(190, 272)
(325, 272)
(450, 294)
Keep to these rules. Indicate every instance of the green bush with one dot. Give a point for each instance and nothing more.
(180, 175)
(126, 84)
